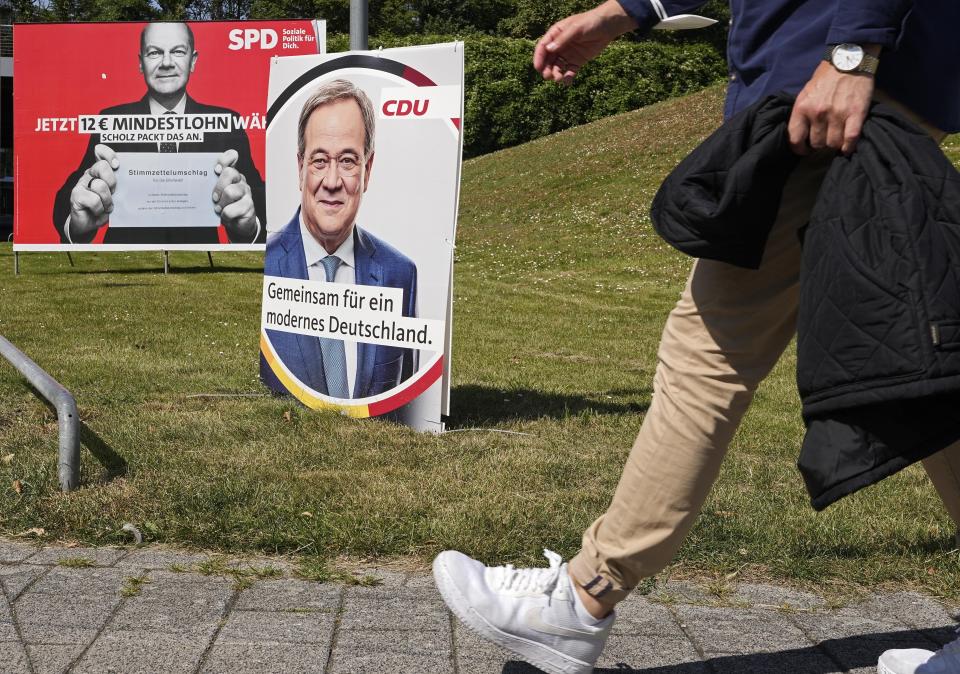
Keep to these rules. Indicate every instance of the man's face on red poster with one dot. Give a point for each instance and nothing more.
(167, 58)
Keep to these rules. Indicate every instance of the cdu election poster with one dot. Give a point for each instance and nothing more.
(145, 136)
(363, 154)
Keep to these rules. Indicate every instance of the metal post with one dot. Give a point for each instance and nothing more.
(16, 263)
(358, 25)
(68, 462)
(210, 257)
(70, 257)
(166, 262)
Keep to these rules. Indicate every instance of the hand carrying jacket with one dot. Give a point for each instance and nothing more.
(878, 346)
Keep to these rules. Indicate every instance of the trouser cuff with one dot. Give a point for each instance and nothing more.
(596, 583)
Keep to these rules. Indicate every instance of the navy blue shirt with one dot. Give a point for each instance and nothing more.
(775, 45)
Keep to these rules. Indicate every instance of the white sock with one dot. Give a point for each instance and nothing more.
(582, 613)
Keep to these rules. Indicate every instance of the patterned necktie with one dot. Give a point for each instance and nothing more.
(168, 147)
(334, 360)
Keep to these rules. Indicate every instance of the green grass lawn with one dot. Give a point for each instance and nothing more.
(561, 291)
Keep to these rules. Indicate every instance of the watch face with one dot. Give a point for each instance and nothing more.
(847, 57)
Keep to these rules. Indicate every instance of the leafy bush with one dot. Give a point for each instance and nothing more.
(508, 103)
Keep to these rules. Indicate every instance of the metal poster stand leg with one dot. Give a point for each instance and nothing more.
(210, 257)
(70, 257)
(16, 263)
(166, 262)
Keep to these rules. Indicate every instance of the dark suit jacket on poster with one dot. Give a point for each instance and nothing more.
(377, 263)
(212, 142)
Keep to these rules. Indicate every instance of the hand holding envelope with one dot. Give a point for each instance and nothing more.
(185, 189)
(91, 199)
(233, 200)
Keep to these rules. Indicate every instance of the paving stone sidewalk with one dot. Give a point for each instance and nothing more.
(151, 610)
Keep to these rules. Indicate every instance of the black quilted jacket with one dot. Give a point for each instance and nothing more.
(878, 334)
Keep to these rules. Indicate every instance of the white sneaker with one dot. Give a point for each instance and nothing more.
(920, 661)
(530, 612)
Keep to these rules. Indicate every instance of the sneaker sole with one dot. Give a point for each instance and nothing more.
(538, 655)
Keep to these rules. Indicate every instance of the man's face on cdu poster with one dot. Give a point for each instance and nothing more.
(167, 58)
(333, 171)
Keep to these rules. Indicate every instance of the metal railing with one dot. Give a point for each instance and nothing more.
(68, 461)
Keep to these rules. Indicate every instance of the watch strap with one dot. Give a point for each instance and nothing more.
(869, 64)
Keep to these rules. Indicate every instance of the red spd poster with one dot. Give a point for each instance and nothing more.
(152, 140)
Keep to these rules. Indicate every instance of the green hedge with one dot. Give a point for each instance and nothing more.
(508, 103)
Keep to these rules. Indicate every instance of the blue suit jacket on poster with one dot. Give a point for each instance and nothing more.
(377, 263)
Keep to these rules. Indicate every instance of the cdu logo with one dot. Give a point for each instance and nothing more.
(404, 107)
(432, 102)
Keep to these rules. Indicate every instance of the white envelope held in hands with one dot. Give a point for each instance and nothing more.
(684, 22)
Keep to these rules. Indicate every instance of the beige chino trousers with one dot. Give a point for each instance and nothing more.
(724, 336)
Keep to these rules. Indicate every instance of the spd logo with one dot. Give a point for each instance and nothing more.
(246, 38)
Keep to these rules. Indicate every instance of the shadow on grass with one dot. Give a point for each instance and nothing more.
(932, 545)
(197, 269)
(108, 457)
(112, 284)
(832, 656)
(191, 267)
(475, 405)
(115, 464)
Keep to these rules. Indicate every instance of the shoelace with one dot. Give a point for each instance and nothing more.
(539, 581)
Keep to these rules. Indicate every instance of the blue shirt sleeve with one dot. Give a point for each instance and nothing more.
(645, 12)
(869, 22)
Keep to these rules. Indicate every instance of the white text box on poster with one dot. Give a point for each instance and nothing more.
(352, 313)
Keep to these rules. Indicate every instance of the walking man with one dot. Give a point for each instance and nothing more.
(731, 324)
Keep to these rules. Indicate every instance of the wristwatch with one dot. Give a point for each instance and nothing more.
(851, 58)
